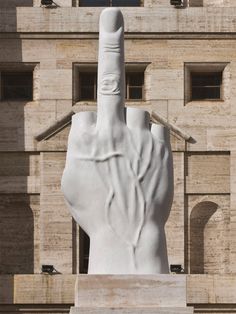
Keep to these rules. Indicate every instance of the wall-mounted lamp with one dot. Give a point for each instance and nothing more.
(176, 268)
(49, 269)
(177, 3)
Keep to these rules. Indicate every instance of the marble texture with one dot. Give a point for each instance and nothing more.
(59, 289)
(127, 294)
(147, 310)
(120, 291)
(118, 177)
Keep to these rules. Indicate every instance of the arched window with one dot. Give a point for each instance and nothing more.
(202, 237)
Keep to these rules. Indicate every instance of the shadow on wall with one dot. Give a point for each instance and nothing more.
(199, 218)
(15, 3)
(16, 215)
(195, 3)
(16, 235)
(7, 289)
(8, 18)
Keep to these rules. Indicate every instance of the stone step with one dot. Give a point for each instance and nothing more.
(129, 310)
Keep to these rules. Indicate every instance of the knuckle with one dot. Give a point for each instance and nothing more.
(110, 84)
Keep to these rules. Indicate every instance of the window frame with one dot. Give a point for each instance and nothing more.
(205, 67)
(92, 68)
(20, 67)
(4, 75)
(94, 98)
(128, 86)
(219, 86)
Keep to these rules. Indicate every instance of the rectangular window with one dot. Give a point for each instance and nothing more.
(206, 85)
(125, 3)
(17, 85)
(134, 85)
(108, 3)
(94, 3)
(206, 81)
(88, 85)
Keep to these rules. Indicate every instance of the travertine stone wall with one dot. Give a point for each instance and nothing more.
(219, 3)
(156, 3)
(163, 89)
(19, 173)
(203, 291)
(211, 125)
(207, 3)
(35, 225)
(55, 219)
(195, 3)
(138, 20)
(232, 233)
(175, 224)
(208, 173)
(212, 290)
(204, 167)
(17, 127)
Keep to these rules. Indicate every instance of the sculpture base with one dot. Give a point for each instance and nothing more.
(128, 294)
(167, 310)
(160, 310)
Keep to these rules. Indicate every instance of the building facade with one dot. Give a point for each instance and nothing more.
(181, 64)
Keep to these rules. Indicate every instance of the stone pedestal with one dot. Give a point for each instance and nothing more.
(163, 310)
(128, 294)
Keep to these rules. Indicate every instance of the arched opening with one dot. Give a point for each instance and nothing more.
(16, 235)
(200, 239)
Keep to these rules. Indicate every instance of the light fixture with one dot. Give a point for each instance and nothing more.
(49, 269)
(176, 268)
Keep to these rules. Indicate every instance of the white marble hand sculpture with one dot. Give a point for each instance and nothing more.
(118, 178)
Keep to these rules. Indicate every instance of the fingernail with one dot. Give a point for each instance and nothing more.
(111, 19)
